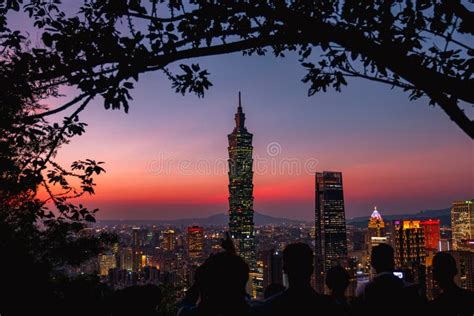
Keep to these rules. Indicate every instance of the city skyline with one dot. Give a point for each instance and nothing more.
(233, 158)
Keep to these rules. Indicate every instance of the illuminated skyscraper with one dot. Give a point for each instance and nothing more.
(106, 262)
(169, 240)
(462, 222)
(410, 253)
(241, 223)
(376, 230)
(431, 228)
(409, 243)
(465, 265)
(137, 237)
(330, 225)
(376, 224)
(376, 234)
(195, 243)
(126, 258)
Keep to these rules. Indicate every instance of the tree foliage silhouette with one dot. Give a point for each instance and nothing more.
(421, 46)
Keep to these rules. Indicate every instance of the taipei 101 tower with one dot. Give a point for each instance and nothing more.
(241, 225)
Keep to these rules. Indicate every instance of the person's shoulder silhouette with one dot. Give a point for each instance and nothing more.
(387, 292)
(337, 281)
(222, 283)
(453, 300)
(299, 298)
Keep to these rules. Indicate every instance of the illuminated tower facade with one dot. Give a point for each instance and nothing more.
(241, 225)
(409, 243)
(432, 231)
(376, 231)
(195, 243)
(410, 251)
(462, 223)
(169, 240)
(330, 225)
(376, 225)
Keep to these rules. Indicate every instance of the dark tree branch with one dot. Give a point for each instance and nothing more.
(59, 109)
(161, 61)
(388, 55)
(68, 120)
(455, 113)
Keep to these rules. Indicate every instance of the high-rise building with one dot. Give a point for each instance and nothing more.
(258, 288)
(106, 262)
(409, 243)
(462, 222)
(376, 236)
(169, 240)
(465, 265)
(431, 228)
(376, 225)
(376, 230)
(330, 225)
(137, 237)
(139, 260)
(410, 252)
(126, 258)
(272, 267)
(195, 243)
(241, 223)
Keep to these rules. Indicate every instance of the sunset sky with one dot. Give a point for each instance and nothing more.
(167, 157)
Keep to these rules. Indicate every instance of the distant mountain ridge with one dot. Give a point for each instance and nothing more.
(213, 220)
(261, 219)
(444, 215)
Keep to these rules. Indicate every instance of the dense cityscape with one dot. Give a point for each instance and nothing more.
(157, 254)
(166, 254)
(135, 181)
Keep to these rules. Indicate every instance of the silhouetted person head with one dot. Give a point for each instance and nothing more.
(222, 280)
(382, 258)
(337, 280)
(298, 264)
(273, 289)
(444, 269)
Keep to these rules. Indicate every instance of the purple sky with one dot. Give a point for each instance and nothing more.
(167, 157)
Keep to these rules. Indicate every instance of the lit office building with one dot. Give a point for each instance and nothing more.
(126, 258)
(465, 265)
(431, 229)
(330, 225)
(410, 252)
(195, 243)
(137, 237)
(376, 230)
(409, 241)
(106, 262)
(169, 240)
(462, 223)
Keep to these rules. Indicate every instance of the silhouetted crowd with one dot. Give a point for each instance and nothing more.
(220, 289)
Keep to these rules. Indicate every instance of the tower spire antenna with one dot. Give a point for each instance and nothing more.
(240, 101)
